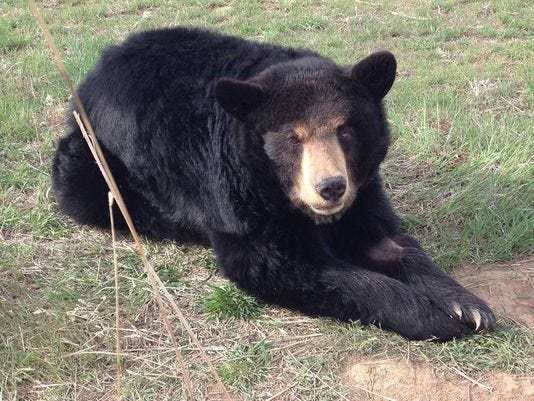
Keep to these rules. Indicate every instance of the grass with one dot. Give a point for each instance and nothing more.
(246, 364)
(460, 171)
(229, 302)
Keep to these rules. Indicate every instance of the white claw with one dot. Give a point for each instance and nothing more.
(457, 309)
(477, 318)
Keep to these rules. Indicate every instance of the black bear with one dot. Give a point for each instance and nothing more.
(270, 155)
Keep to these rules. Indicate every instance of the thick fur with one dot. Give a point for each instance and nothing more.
(184, 115)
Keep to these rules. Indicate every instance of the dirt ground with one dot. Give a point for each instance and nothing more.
(509, 289)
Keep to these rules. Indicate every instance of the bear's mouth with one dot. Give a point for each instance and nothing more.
(326, 215)
(323, 213)
(327, 210)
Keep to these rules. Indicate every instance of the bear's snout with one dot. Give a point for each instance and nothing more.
(332, 188)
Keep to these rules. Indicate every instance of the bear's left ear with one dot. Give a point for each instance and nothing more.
(376, 72)
(239, 98)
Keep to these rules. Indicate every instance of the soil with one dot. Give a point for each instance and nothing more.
(405, 381)
(509, 289)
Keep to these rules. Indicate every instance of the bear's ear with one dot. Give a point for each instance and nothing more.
(239, 98)
(376, 72)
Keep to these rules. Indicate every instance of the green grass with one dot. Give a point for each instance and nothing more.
(460, 172)
(229, 302)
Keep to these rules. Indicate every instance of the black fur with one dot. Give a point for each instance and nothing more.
(182, 116)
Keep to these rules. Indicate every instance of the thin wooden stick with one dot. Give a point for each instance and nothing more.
(110, 181)
(118, 384)
(148, 267)
(474, 381)
(408, 16)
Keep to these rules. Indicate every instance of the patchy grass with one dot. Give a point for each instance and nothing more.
(246, 364)
(460, 172)
(508, 350)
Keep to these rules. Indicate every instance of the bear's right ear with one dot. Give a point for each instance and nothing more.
(239, 98)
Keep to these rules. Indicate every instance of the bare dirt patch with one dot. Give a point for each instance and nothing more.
(509, 289)
(401, 380)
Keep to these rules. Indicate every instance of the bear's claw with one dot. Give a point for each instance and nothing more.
(479, 316)
(457, 310)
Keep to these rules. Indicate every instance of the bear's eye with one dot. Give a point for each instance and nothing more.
(346, 134)
(294, 140)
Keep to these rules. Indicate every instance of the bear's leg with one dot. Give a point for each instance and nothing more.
(79, 187)
(82, 192)
(420, 273)
(368, 235)
(291, 268)
(400, 257)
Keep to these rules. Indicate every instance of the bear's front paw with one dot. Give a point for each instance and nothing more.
(430, 323)
(420, 318)
(472, 311)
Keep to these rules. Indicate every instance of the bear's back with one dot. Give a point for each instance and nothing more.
(158, 85)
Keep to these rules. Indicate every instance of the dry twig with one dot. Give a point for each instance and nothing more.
(117, 310)
(154, 280)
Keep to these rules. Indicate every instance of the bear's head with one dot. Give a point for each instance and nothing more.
(323, 127)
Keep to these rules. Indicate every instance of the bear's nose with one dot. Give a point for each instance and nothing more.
(332, 188)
